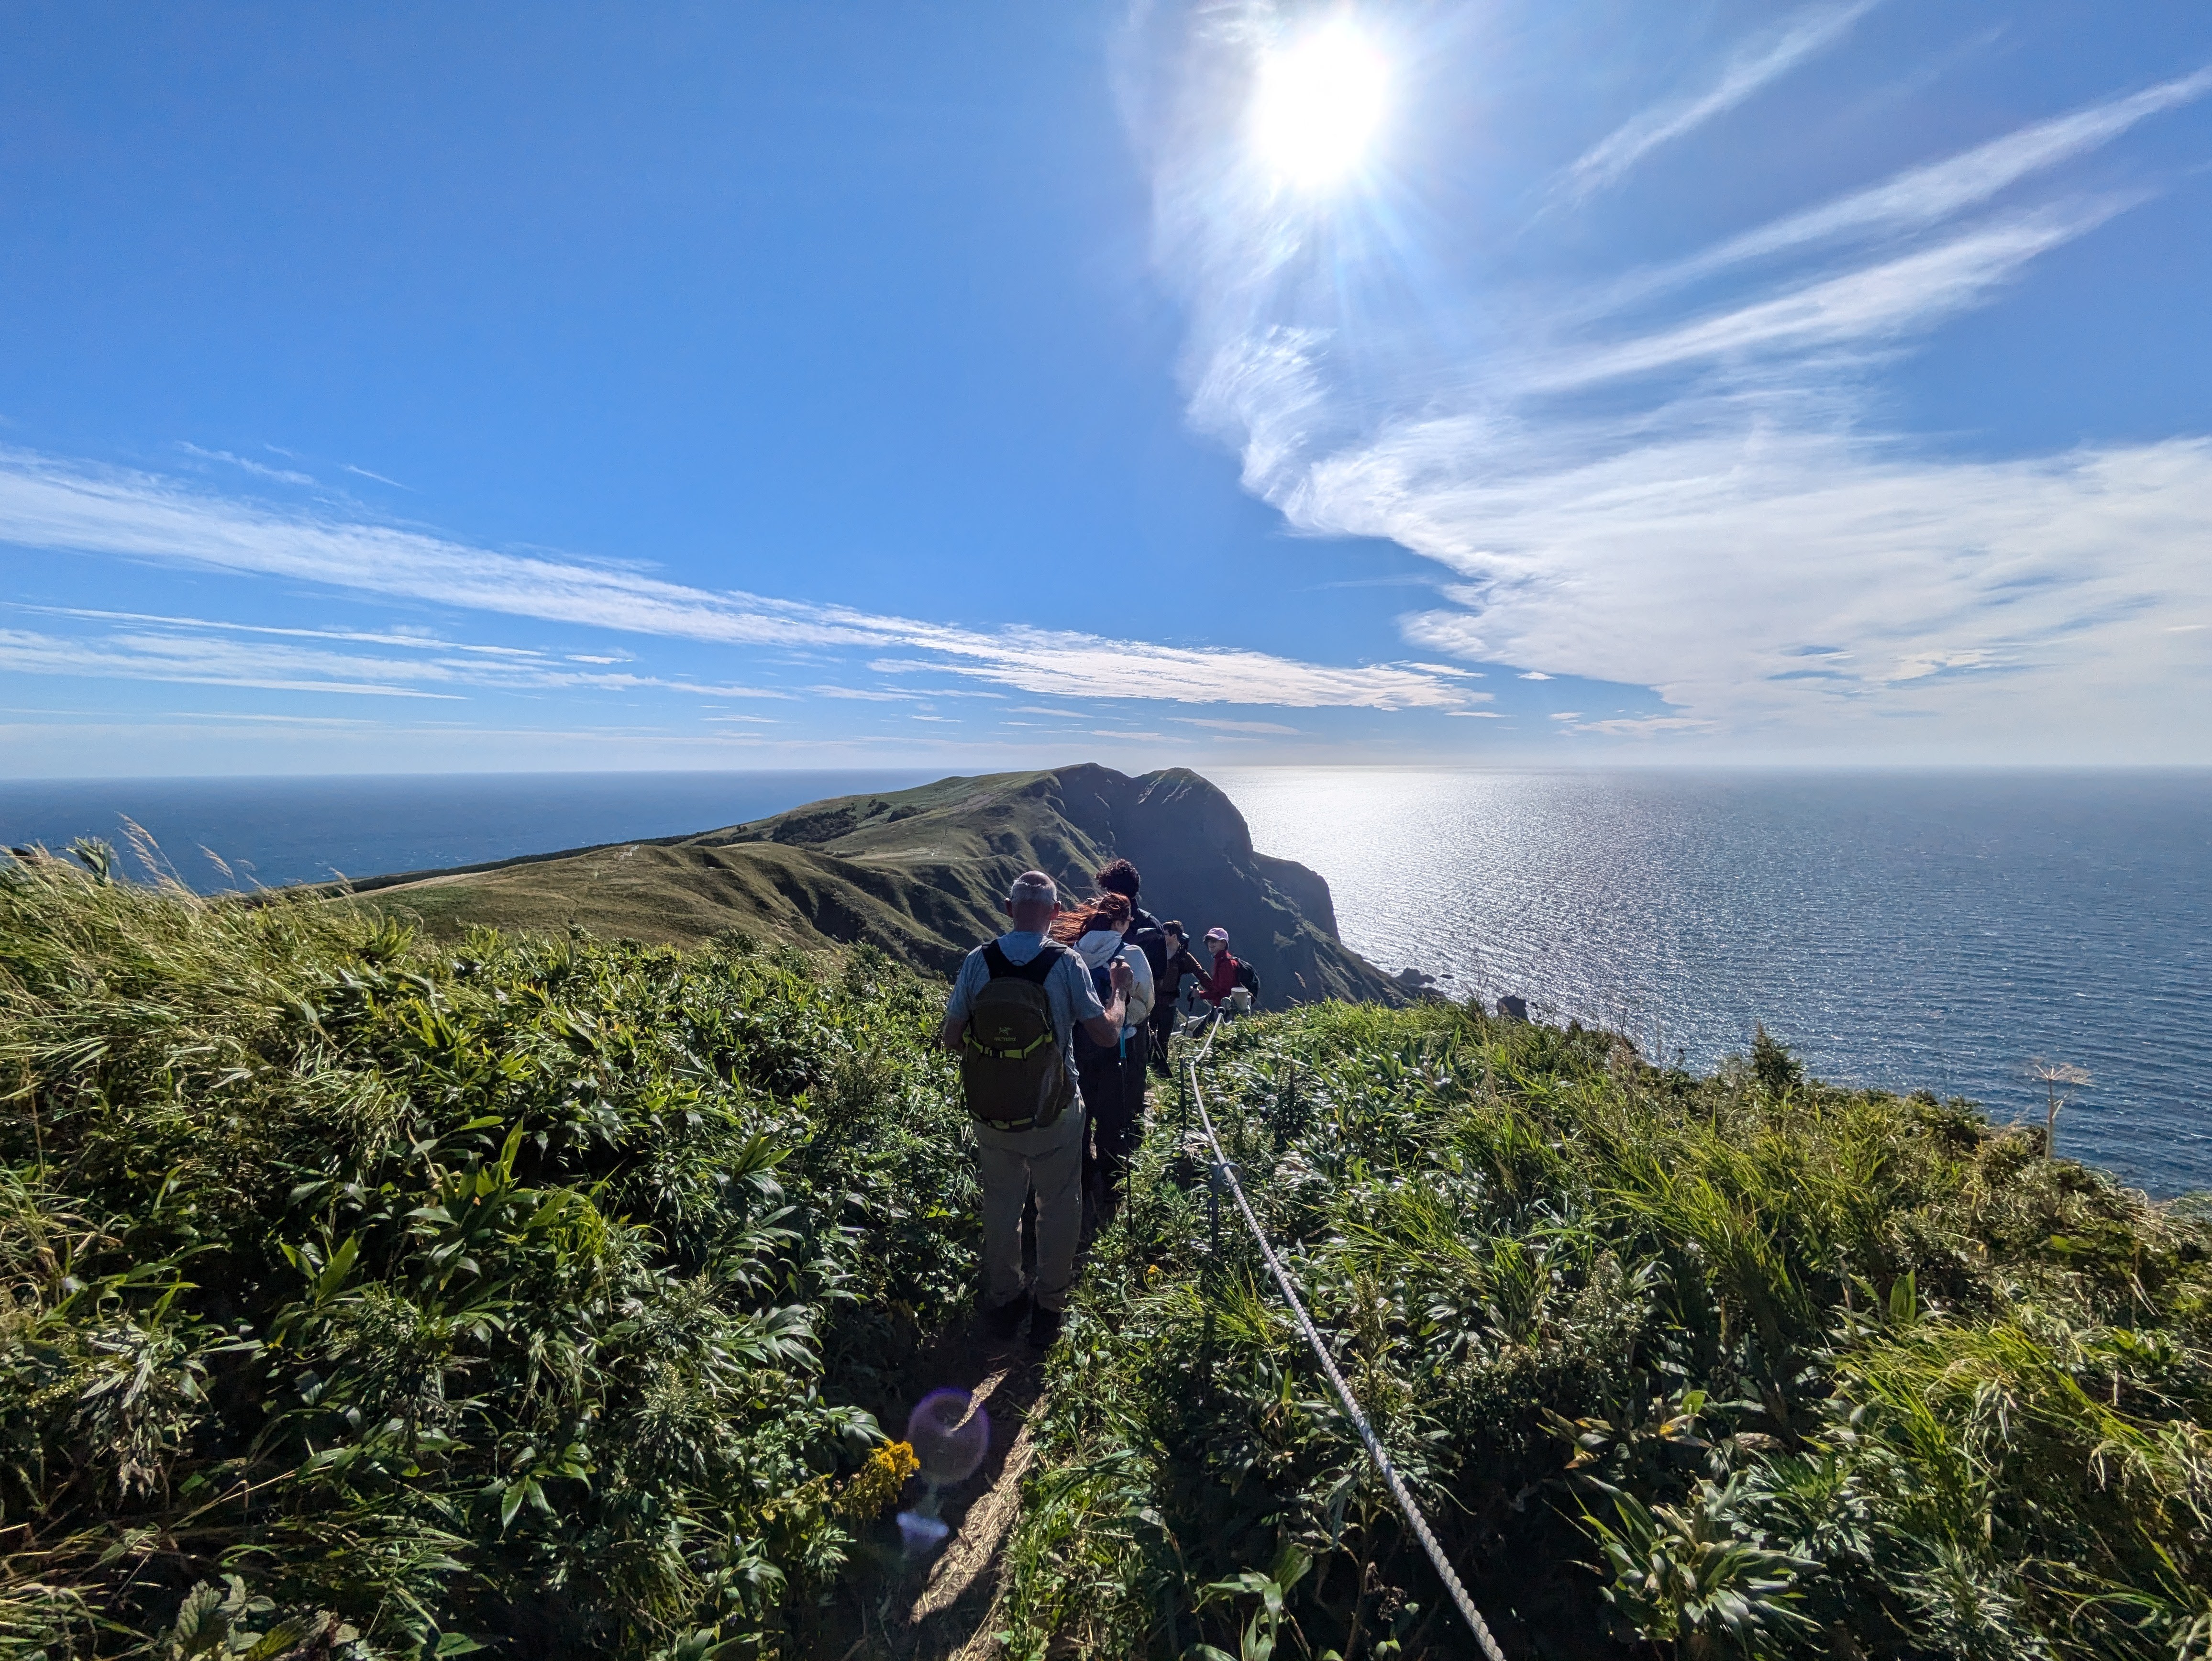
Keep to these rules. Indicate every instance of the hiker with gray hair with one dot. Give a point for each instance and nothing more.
(1012, 1018)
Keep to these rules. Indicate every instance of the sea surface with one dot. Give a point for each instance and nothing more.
(1906, 930)
(215, 834)
(1901, 930)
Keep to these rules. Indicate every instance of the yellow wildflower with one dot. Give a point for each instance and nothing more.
(876, 1485)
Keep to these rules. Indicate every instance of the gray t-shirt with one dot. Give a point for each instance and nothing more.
(1068, 989)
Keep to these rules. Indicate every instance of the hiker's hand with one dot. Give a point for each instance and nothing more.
(1120, 976)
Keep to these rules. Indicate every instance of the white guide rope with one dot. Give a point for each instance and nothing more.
(1406, 1504)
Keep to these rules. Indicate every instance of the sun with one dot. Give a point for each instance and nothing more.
(1317, 103)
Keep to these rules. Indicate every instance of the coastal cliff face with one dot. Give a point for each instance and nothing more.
(920, 872)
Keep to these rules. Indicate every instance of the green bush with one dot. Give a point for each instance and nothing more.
(1744, 1365)
(368, 1299)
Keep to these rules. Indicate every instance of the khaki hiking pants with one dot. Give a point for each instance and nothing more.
(1011, 1163)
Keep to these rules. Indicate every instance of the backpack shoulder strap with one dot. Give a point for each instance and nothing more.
(1004, 968)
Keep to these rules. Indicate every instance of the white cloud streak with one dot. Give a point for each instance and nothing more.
(193, 651)
(1818, 580)
(208, 663)
(259, 470)
(1870, 305)
(50, 505)
(363, 472)
(1749, 68)
(1924, 196)
(1703, 506)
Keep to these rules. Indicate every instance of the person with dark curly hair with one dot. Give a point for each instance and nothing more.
(1147, 1044)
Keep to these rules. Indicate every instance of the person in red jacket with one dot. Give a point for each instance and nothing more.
(1221, 975)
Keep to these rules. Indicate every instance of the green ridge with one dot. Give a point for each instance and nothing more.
(920, 872)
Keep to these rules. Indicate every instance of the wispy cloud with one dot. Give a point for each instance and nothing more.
(1924, 196)
(44, 504)
(363, 472)
(1753, 65)
(259, 469)
(1871, 304)
(1045, 659)
(1695, 502)
(1638, 726)
(209, 663)
(426, 643)
(196, 651)
(1236, 725)
(1721, 570)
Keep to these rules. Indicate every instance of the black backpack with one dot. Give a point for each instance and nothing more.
(1146, 934)
(1088, 1049)
(1249, 978)
(1011, 1067)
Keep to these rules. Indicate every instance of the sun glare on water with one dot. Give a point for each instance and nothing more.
(1318, 102)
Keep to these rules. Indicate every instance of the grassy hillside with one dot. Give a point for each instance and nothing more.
(371, 1296)
(1737, 1365)
(367, 1299)
(919, 873)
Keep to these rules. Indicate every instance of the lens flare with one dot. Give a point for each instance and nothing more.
(1317, 103)
(950, 1434)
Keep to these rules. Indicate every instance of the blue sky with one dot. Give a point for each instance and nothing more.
(720, 386)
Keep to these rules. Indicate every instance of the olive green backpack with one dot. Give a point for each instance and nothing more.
(1011, 1065)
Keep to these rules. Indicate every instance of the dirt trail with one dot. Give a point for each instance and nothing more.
(939, 1608)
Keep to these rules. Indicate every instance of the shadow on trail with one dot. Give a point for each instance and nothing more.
(929, 1596)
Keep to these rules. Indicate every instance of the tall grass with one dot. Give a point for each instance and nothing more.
(366, 1298)
(1738, 1365)
(369, 1299)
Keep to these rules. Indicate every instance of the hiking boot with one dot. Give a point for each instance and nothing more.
(1004, 1322)
(1044, 1328)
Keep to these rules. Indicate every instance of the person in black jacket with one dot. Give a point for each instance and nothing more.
(1146, 934)
(1167, 988)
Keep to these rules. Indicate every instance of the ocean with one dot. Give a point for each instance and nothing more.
(1906, 930)
(1901, 930)
(270, 832)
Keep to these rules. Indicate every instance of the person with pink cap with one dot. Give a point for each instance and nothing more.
(1221, 975)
